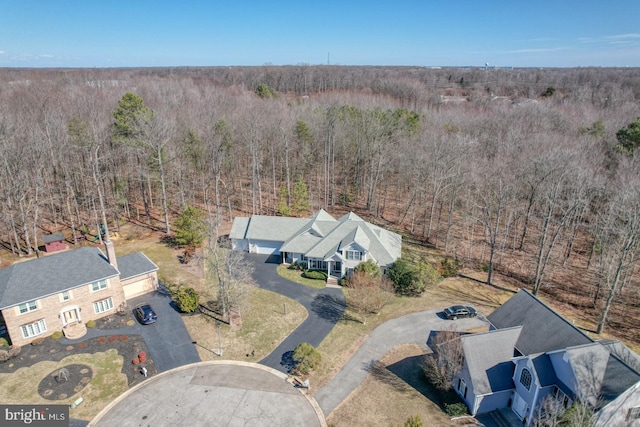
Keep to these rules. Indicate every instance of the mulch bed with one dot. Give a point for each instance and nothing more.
(77, 376)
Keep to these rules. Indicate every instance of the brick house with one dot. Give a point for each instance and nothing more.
(62, 291)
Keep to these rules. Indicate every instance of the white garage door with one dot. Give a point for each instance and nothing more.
(265, 247)
(137, 288)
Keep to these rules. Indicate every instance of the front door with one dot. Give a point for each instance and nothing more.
(70, 316)
(519, 406)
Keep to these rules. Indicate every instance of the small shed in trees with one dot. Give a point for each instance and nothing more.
(54, 242)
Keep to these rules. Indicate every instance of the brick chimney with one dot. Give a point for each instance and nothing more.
(111, 252)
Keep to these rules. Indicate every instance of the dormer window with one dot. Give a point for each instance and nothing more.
(353, 255)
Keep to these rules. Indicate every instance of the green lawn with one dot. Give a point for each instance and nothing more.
(296, 276)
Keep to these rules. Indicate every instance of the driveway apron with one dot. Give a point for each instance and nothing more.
(325, 308)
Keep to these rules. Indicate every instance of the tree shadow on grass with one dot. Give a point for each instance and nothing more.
(405, 375)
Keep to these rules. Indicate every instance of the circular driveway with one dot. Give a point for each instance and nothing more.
(217, 393)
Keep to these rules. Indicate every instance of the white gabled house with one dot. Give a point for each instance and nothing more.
(322, 242)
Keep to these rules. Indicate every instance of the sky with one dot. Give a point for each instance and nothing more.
(141, 33)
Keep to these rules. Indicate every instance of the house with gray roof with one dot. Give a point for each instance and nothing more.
(321, 242)
(64, 290)
(531, 354)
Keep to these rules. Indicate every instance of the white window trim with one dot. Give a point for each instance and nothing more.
(103, 306)
(29, 328)
(102, 284)
(28, 307)
(348, 252)
(62, 294)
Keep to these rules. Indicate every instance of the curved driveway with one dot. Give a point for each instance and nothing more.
(413, 328)
(325, 308)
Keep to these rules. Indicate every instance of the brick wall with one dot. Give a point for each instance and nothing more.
(52, 307)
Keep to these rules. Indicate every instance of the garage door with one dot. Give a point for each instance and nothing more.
(265, 247)
(137, 288)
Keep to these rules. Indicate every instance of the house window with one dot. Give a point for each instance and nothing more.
(33, 329)
(27, 307)
(317, 264)
(354, 255)
(633, 414)
(525, 378)
(101, 284)
(102, 306)
(66, 296)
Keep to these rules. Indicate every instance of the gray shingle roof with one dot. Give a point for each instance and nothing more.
(273, 228)
(29, 280)
(321, 235)
(239, 227)
(48, 238)
(488, 357)
(543, 329)
(135, 264)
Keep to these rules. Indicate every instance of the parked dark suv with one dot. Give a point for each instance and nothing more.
(459, 311)
(145, 314)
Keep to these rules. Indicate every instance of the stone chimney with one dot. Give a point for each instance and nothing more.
(111, 252)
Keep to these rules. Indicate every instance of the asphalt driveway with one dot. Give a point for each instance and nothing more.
(325, 308)
(415, 328)
(168, 340)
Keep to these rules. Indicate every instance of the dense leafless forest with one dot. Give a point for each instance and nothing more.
(529, 173)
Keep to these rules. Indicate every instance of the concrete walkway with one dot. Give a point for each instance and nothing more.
(325, 308)
(413, 328)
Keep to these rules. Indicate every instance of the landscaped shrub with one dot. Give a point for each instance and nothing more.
(297, 266)
(123, 338)
(91, 324)
(113, 338)
(102, 339)
(56, 335)
(3, 342)
(455, 409)
(37, 341)
(306, 357)
(187, 300)
(315, 275)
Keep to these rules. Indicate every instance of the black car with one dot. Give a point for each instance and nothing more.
(145, 314)
(459, 311)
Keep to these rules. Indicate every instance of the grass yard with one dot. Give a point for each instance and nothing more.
(21, 387)
(264, 326)
(296, 276)
(393, 392)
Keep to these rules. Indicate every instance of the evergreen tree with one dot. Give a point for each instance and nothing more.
(300, 199)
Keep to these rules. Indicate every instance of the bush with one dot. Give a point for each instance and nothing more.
(37, 341)
(56, 335)
(455, 409)
(315, 274)
(4, 342)
(414, 421)
(306, 357)
(449, 268)
(91, 324)
(297, 266)
(187, 300)
(370, 267)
